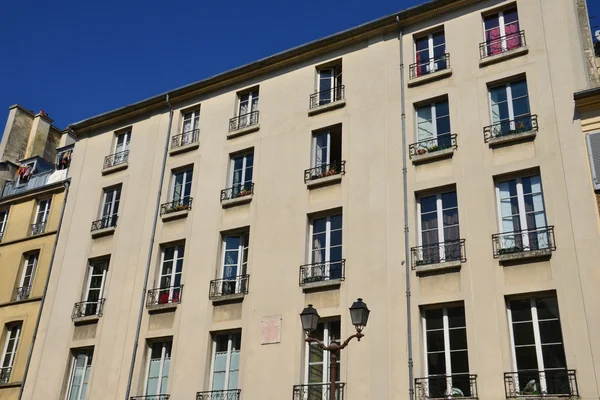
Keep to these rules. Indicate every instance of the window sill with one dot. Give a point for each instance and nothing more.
(496, 58)
(86, 319)
(327, 180)
(10, 385)
(436, 155)
(162, 307)
(525, 255)
(434, 76)
(327, 107)
(443, 266)
(515, 137)
(237, 201)
(229, 298)
(175, 215)
(103, 232)
(184, 148)
(243, 131)
(328, 283)
(115, 168)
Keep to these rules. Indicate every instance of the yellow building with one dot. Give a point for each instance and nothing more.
(30, 212)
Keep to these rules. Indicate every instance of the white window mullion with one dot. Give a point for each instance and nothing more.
(82, 379)
(538, 345)
(328, 159)
(327, 246)
(160, 368)
(419, 224)
(433, 122)
(227, 363)
(509, 101)
(502, 29)
(424, 321)
(440, 218)
(326, 362)
(447, 351)
(512, 339)
(212, 364)
(522, 214)
(431, 53)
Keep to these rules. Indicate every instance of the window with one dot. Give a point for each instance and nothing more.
(326, 151)
(433, 125)
(225, 367)
(122, 141)
(235, 263)
(241, 174)
(81, 363)
(190, 121)
(25, 172)
(11, 342)
(94, 289)
(3, 221)
(248, 109)
(502, 31)
(170, 274)
(439, 234)
(430, 54)
(42, 212)
(537, 345)
(329, 84)
(326, 257)
(26, 281)
(159, 360)
(510, 107)
(110, 206)
(317, 369)
(446, 354)
(182, 187)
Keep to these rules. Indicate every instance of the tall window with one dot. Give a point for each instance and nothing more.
(182, 187)
(317, 361)
(445, 343)
(433, 125)
(329, 84)
(122, 141)
(189, 129)
(439, 233)
(159, 361)
(11, 342)
(327, 150)
(430, 53)
(170, 274)
(42, 213)
(537, 344)
(110, 206)
(241, 168)
(3, 221)
(326, 247)
(26, 281)
(235, 263)
(510, 107)
(248, 105)
(225, 365)
(502, 31)
(97, 271)
(81, 363)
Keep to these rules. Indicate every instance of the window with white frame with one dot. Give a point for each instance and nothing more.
(11, 342)
(433, 126)
(3, 222)
(430, 54)
(27, 275)
(159, 361)
(501, 32)
(326, 256)
(110, 205)
(170, 274)
(446, 352)
(317, 360)
(326, 151)
(235, 263)
(241, 169)
(439, 233)
(81, 363)
(247, 108)
(122, 140)
(181, 189)
(509, 107)
(189, 129)
(42, 212)
(329, 84)
(94, 289)
(225, 366)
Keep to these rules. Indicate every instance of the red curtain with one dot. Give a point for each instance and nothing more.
(513, 39)
(494, 43)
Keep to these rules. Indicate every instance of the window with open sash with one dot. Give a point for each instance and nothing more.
(225, 367)
(510, 111)
(182, 187)
(27, 275)
(159, 361)
(3, 222)
(42, 211)
(329, 84)
(326, 152)
(122, 141)
(189, 128)
(433, 126)
(326, 257)
(235, 263)
(430, 53)
(537, 346)
(248, 105)
(446, 352)
(94, 291)
(81, 363)
(11, 342)
(110, 205)
(439, 234)
(241, 168)
(170, 274)
(502, 31)
(317, 361)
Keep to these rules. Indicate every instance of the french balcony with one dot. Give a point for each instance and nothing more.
(502, 48)
(325, 174)
(176, 209)
(242, 124)
(462, 386)
(327, 100)
(5, 374)
(524, 244)
(116, 162)
(164, 298)
(429, 70)
(104, 226)
(318, 391)
(436, 148)
(439, 256)
(87, 310)
(322, 274)
(22, 293)
(152, 397)
(37, 229)
(185, 141)
(232, 394)
(237, 194)
(521, 128)
(533, 383)
(229, 289)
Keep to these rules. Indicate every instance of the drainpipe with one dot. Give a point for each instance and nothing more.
(411, 391)
(67, 183)
(150, 250)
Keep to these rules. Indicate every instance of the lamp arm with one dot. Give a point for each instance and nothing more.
(358, 335)
(310, 339)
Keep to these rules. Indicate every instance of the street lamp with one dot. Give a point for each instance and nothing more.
(359, 313)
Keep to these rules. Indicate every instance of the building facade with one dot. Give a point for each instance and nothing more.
(202, 221)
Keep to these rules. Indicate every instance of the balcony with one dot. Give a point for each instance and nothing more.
(237, 194)
(19, 186)
(5, 374)
(22, 293)
(185, 142)
(116, 162)
(439, 256)
(502, 48)
(327, 100)
(429, 70)
(151, 397)
(442, 146)
(228, 289)
(37, 229)
(524, 244)
(508, 131)
(164, 298)
(104, 226)
(323, 274)
(232, 394)
(325, 174)
(87, 310)
(462, 386)
(242, 124)
(176, 209)
(317, 391)
(533, 383)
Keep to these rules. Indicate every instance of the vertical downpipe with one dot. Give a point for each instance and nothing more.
(150, 249)
(411, 390)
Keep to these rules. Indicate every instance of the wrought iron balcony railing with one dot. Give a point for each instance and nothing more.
(168, 295)
(318, 391)
(442, 142)
(322, 271)
(446, 386)
(238, 190)
(5, 374)
(185, 138)
(116, 159)
(325, 170)
(88, 308)
(176, 205)
(228, 286)
(22, 293)
(502, 44)
(106, 222)
(524, 241)
(525, 123)
(452, 250)
(152, 397)
(37, 229)
(232, 394)
(323, 97)
(243, 121)
(534, 383)
(422, 68)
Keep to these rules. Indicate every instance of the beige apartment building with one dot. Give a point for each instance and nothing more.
(429, 162)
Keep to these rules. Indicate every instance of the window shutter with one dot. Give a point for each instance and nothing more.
(593, 142)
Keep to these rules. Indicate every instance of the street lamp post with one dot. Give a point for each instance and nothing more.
(359, 313)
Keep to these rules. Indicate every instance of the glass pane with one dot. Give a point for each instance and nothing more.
(459, 361)
(428, 204)
(523, 333)
(435, 341)
(554, 356)
(458, 339)
(336, 222)
(436, 363)
(456, 317)
(434, 319)
(547, 307)
(521, 106)
(526, 357)
(550, 331)
(519, 89)
(520, 310)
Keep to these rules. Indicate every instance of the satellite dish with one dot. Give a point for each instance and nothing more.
(597, 34)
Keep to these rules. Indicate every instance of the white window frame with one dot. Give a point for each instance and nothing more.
(314, 149)
(43, 210)
(242, 266)
(228, 361)
(430, 49)
(163, 357)
(91, 266)
(194, 117)
(174, 272)
(433, 107)
(253, 95)
(3, 222)
(440, 218)
(31, 259)
(509, 102)
(327, 260)
(88, 356)
(244, 157)
(13, 333)
(501, 25)
(114, 190)
(335, 82)
(326, 355)
(188, 173)
(126, 135)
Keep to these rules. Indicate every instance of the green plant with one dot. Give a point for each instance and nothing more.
(310, 279)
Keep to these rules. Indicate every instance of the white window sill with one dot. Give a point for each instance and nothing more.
(434, 76)
(161, 307)
(243, 131)
(327, 180)
(449, 265)
(174, 215)
(229, 298)
(103, 232)
(115, 168)
(184, 148)
(85, 319)
(496, 58)
(327, 107)
(515, 137)
(237, 201)
(435, 155)
(327, 283)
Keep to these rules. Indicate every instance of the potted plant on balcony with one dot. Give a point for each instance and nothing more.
(244, 192)
(163, 298)
(315, 278)
(421, 151)
(433, 148)
(331, 171)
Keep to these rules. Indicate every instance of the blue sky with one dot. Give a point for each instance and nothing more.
(75, 59)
